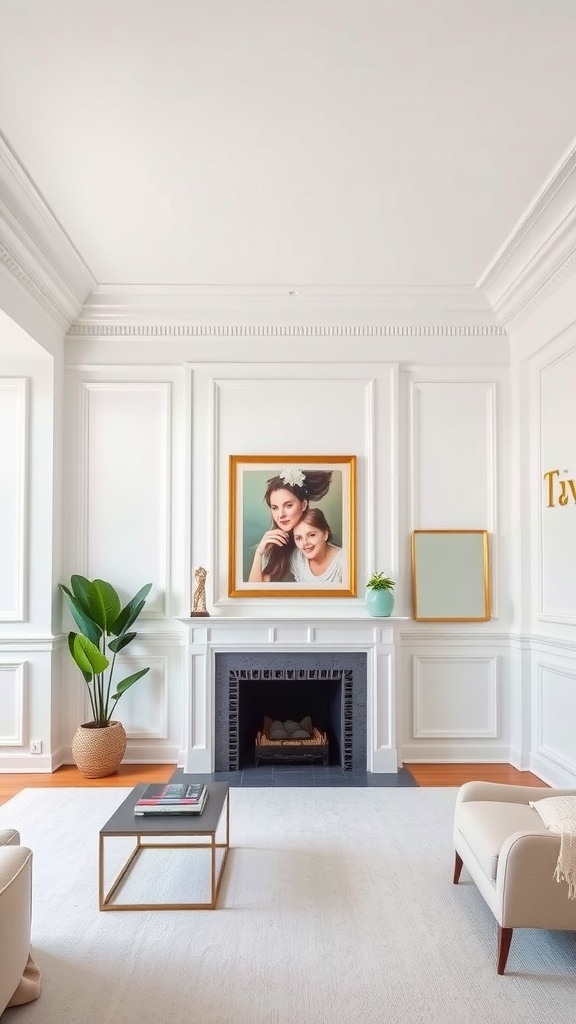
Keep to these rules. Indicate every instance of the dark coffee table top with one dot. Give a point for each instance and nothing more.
(125, 823)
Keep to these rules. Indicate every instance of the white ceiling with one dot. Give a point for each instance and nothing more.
(344, 143)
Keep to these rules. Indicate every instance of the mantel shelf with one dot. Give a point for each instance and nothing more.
(277, 620)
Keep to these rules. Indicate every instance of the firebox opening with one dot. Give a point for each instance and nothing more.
(289, 699)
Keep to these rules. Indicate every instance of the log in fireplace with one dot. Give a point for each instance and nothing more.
(290, 742)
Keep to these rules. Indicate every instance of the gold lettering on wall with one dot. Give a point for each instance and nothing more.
(559, 490)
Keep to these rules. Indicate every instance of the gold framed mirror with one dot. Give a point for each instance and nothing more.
(450, 576)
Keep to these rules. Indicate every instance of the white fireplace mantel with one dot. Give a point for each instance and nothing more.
(210, 635)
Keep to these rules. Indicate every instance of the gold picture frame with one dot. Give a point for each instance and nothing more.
(450, 576)
(268, 496)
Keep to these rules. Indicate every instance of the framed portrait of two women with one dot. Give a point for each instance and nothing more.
(292, 526)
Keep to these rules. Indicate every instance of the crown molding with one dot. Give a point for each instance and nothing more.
(32, 283)
(540, 252)
(277, 311)
(34, 248)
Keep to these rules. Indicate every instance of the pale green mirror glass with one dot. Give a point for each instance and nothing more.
(450, 576)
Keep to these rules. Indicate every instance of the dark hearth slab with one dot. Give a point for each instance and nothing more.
(305, 777)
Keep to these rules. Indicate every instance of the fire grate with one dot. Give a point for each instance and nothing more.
(291, 750)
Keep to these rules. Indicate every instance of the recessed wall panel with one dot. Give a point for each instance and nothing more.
(557, 490)
(144, 707)
(306, 410)
(12, 705)
(556, 710)
(454, 697)
(13, 514)
(126, 502)
(453, 455)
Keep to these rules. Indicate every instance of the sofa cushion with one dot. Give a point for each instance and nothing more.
(486, 824)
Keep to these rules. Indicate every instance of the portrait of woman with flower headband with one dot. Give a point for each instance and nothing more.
(276, 559)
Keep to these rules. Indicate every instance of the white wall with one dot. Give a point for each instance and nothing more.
(29, 543)
(144, 495)
(454, 695)
(544, 639)
(126, 521)
(146, 498)
(294, 408)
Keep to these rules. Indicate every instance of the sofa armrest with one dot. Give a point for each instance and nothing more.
(9, 837)
(528, 895)
(15, 911)
(500, 793)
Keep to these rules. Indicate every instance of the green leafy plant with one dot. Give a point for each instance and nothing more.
(378, 581)
(104, 624)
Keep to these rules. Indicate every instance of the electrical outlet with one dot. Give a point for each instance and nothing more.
(36, 746)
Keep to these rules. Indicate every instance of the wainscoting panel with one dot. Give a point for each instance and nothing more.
(455, 697)
(454, 704)
(13, 507)
(12, 724)
(144, 706)
(35, 703)
(555, 708)
(152, 709)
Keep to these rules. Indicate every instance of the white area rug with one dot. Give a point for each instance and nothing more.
(337, 907)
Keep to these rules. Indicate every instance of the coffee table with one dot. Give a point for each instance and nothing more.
(148, 830)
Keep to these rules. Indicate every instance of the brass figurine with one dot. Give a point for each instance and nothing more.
(199, 600)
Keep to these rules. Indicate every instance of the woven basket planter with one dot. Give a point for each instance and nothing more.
(99, 751)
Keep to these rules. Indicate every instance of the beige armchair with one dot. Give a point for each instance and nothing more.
(19, 975)
(511, 856)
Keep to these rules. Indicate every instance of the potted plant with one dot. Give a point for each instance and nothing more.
(379, 594)
(99, 745)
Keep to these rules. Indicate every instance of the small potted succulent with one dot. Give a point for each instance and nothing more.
(379, 594)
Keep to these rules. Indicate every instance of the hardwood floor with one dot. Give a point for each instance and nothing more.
(456, 774)
(132, 774)
(68, 775)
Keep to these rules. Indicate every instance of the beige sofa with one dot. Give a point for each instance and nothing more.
(511, 856)
(19, 975)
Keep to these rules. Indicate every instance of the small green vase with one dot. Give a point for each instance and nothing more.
(379, 603)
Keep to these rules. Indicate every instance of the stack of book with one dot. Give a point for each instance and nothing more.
(172, 798)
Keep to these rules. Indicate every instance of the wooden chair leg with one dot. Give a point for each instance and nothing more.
(504, 940)
(457, 868)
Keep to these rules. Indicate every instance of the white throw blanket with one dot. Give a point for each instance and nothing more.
(559, 815)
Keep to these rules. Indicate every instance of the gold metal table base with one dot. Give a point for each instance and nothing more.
(215, 875)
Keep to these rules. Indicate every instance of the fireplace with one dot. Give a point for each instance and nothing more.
(219, 644)
(330, 689)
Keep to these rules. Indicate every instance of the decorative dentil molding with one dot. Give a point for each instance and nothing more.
(284, 330)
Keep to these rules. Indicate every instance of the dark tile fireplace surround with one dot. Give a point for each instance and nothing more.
(330, 688)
